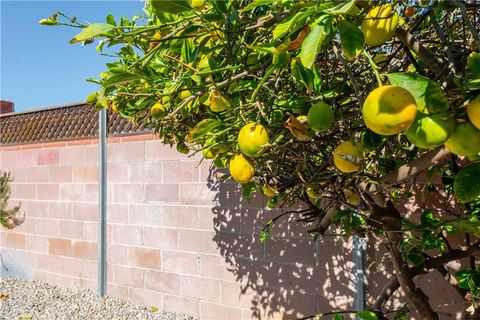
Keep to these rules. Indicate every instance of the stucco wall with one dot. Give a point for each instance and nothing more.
(177, 239)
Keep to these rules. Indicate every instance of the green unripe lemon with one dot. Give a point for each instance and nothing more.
(431, 131)
(320, 117)
(465, 140)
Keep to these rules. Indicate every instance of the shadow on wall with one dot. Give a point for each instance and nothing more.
(291, 276)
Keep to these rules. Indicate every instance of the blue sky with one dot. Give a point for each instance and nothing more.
(39, 68)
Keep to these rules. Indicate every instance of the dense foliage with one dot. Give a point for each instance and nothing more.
(344, 107)
(10, 217)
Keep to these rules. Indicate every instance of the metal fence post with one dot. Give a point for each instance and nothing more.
(102, 203)
(359, 247)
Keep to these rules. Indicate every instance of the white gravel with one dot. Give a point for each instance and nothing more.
(21, 299)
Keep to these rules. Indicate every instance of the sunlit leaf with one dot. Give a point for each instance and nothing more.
(118, 78)
(428, 94)
(352, 39)
(315, 40)
(342, 8)
(170, 6)
(283, 28)
(466, 186)
(202, 128)
(93, 30)
(258, 3)
(367, 315)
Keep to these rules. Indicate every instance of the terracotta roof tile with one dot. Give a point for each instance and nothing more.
(72, 122)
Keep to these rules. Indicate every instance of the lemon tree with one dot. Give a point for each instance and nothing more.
(350, 109)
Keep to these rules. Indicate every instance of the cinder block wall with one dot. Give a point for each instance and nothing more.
(177, 239)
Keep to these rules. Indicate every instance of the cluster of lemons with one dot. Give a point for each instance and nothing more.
(387, 110)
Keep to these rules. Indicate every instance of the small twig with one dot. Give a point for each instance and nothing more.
(432, 62)
(127, 94)
(451, 71)
(352, 78)
(476, 36)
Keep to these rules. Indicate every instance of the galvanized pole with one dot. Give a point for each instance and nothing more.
(102, 203)
(359, 247)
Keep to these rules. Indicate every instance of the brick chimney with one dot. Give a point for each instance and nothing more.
(6, 106)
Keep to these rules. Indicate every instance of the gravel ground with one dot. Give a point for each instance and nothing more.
(24, 300)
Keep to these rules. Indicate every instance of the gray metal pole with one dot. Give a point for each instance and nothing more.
(359, 247)
(102, 203)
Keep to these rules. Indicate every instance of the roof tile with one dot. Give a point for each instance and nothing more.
(72, 122)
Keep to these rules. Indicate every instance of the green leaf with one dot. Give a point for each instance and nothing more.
(188, 52)
(201, 129)
(339, 214)
(428, 219)
(367, 315)
(111, 20)
(315, 40)
(337, 317)
(473, 84)
(342, 8)
(402, 313)
(463, 273)
(92, 97)
(93, 30)
(352, 39)
(416, 259)
(263, 236)
(48, 22)
(247, 190)
(118, 78)
(285, 27)
(258, 3)
(428, 94)
(466, 226)
(169, 6)
(221, 6)
(463, 283)
(466, 186)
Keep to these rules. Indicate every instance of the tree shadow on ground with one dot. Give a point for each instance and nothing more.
(289, 276)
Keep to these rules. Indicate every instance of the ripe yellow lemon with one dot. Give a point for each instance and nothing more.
(252, 138)
(389, 110)
(157, 111)
(473, 111)
(241, 168)
(268, 191)
(465, 140)
(380, 24)
(184, 94)
(431, 131)
(313, 190)
(320, 117)
(198, 4)
(348, 156)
